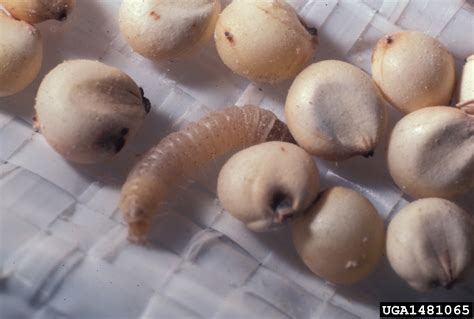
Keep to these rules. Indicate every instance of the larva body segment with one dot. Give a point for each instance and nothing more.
(183, 152)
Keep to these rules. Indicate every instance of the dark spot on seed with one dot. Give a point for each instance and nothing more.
(119, 144)
(389, 39)
(146, 102)
(369, 154)
(62, 15)
(112, 141)
(283, 149)
(229, 36)
(154, 15)
(280, 199)
(260, 89)
(311, 30)
(282, 205)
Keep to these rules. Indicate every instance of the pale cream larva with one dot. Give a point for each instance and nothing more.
(87, 110)
(431, 152)
(36, 11)
(413, 70)
(264, 40)
(21, 54)
(466, 91)
(335, 111)
(265, 185)
(166, 29)
(341, 237)
(430, 243)
(181, 154)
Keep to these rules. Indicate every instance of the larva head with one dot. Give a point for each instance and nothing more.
(165, 29)
(340, 237)
(334, 110)
(430, 152)
(413, 70)
(87, 110)
(264, 41)
(265, 184)
(21, 54)
(430, 243)
(36, 11)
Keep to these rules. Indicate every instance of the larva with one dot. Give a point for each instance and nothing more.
(183, 152)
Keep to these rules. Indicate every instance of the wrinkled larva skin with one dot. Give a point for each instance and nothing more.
(341, 237)
(466, 91)
(36, 11)
(87, 111)
(182, 153)
(266, 184)
(430, 243)
(431, 152)
(264, 40)
(335, 111)
(413, 70)
(21, 54)
(165, 29)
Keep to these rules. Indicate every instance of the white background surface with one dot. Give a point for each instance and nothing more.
(63, 252)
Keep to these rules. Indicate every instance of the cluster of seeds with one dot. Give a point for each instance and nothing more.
(336, 111)
(88, 111)
(261, 40)
(21, 45)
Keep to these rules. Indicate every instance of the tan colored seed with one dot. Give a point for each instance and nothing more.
(266, 184)
(87, 110)
(167, 29)
(335, 111)
(431, 152)
(264, 40)
(413, 70)
(21, 54)
(430, 243)
(341, 237)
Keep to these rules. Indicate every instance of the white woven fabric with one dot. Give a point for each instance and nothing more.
(63, 252)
